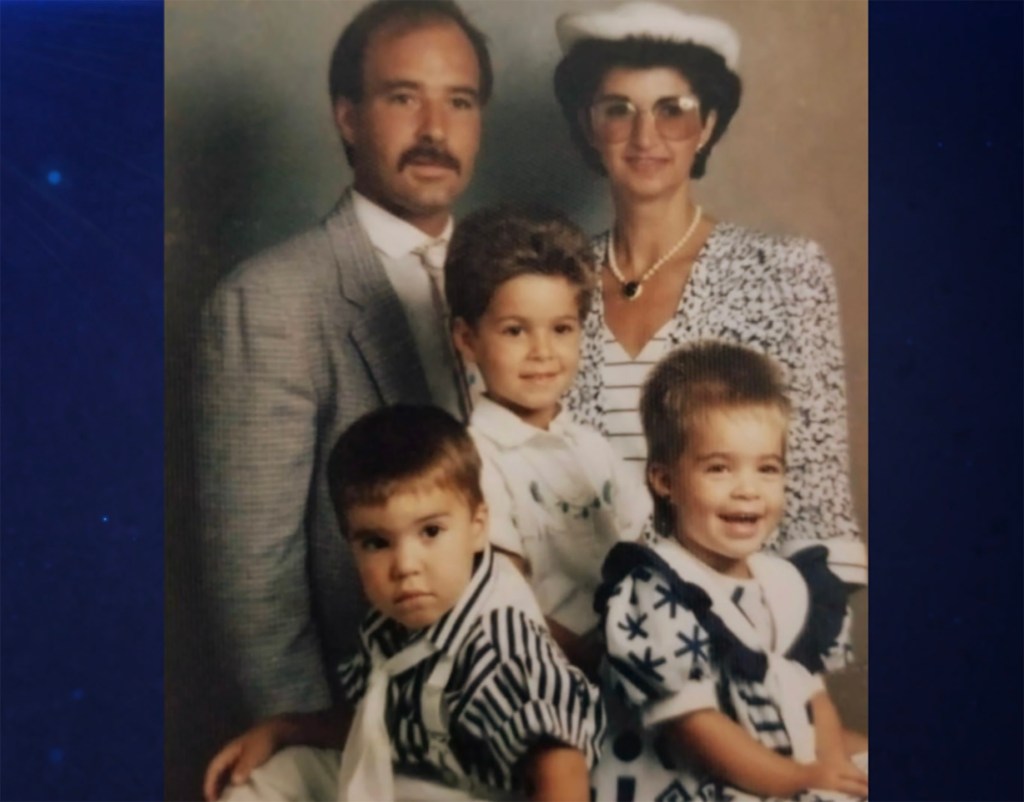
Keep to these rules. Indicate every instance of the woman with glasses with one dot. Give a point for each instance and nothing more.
(648, 91)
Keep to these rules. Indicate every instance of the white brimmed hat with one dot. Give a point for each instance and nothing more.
(657, 20)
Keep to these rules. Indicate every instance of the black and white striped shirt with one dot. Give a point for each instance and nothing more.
(510, 687)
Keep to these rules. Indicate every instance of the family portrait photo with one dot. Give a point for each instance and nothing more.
(516, 400)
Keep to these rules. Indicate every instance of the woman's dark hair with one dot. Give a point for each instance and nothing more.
(582, 69)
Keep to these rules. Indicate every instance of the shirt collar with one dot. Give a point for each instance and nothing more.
(391, 235)
(448, 630)
(508, 430)
(720, 588)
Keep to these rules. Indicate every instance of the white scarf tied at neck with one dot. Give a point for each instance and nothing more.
(366, 769)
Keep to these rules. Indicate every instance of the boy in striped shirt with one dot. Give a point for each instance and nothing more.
(457, 691)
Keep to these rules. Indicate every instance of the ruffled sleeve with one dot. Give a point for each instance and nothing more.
(825, 637)
(658, 652)
(524, 691)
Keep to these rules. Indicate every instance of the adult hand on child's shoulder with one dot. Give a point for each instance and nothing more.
(237, 759)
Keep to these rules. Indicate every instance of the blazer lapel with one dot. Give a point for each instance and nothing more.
(379, 329)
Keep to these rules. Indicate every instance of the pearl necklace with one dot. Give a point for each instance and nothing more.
(633, 289)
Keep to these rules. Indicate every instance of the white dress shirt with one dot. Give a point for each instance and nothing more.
(560, 498)
(395, 240)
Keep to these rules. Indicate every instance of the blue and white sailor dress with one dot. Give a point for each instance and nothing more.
(681, 637)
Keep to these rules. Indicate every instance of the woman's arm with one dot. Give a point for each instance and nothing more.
(557, 773)
(731, 754)
(820, 505)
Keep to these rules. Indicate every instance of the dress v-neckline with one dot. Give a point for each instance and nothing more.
(652, 345)
(656, 338)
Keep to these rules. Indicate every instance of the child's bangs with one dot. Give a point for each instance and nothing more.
(445, 475)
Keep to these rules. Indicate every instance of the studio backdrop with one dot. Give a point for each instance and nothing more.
(252, 157)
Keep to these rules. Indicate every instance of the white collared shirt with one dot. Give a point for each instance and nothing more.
(395, 240)
(560, 498)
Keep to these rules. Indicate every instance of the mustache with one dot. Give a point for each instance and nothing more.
(428, 154)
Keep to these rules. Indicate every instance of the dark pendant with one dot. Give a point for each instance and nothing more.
(631, 289)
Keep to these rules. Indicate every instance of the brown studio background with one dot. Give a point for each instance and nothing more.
(252, 157)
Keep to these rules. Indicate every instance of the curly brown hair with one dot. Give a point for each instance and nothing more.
(494, 245)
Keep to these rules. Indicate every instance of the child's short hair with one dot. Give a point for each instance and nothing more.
(494, 245)
(392, 447)
(693, 380)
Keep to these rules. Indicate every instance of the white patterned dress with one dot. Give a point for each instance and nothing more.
(681, 637)
(776, 295)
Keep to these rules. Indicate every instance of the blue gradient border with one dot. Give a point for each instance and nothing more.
(945, 400)
(81, 162)
(81, 305)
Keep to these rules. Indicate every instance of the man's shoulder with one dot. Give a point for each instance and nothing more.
(304, 262)
(288, 265)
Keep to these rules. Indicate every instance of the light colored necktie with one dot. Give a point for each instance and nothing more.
(432, 256)
(366, 773)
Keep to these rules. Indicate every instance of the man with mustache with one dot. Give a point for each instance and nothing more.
(303, 339)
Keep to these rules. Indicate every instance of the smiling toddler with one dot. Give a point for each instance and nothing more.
(716, 647)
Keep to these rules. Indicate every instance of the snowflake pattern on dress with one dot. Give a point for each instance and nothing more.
(666, 646)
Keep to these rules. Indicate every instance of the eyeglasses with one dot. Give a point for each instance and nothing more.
(614, 118)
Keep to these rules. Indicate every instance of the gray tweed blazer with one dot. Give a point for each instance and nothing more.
(295, 344)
